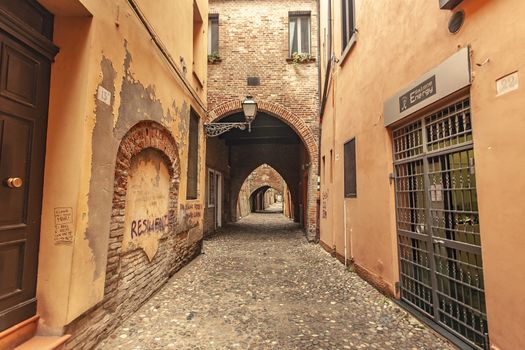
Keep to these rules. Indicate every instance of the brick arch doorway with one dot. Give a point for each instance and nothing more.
(305, 179)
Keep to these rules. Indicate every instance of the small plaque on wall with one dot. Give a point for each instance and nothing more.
(507, 84)
(254, 81)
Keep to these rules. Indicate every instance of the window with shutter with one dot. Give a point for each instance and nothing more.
(348, 23)
(350, 169)
(193, 157)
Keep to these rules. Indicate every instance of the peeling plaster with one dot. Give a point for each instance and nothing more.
(137, 102)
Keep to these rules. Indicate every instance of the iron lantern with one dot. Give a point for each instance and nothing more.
(249, 107)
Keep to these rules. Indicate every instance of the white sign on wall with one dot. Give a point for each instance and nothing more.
(104, 95)
(507, 84)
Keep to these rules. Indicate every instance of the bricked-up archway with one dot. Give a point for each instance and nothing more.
(131, 277)
(142, 136)
(306, 184)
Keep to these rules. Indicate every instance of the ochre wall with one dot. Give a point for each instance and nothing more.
(395, 45)
(103, 43)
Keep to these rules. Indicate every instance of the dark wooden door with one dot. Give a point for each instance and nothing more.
(24, 93)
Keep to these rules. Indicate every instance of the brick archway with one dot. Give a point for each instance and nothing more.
(266, 184)
(143, 135)
(276, 110)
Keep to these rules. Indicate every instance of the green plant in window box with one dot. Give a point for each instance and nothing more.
(214, 57)
(302, 57)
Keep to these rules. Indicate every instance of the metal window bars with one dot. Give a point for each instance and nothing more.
(441, 268)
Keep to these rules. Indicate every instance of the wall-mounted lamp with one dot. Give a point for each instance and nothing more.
(249, 108)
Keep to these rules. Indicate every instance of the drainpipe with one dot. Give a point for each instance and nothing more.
(318, 185)
(344, 228)
(165, 53)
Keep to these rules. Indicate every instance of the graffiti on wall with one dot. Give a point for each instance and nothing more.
(63, 225)
(324, 205)
(143, 226)
(191, 212)
(147, 201)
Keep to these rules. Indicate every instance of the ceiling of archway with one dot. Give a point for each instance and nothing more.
(265, 130)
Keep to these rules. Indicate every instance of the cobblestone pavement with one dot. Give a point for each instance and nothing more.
(260, 285)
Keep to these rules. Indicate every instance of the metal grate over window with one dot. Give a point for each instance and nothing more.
(438, 226)
(408, 141)
(450, 126)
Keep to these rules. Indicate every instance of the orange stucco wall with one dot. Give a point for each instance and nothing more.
(103, 43)
(396, 44)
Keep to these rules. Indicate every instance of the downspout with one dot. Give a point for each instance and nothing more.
(318, 204)
(344, 228)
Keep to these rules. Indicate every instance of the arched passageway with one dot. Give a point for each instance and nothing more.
(262, 188)
(277, 139)
(266, 199)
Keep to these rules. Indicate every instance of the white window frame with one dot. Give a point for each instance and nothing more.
(212, 17)
(299, 17)
(211, 180)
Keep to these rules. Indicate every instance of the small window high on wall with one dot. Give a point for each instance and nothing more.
(348, 23)
(193, 157)
(213, 34)
(350, 169)
(299, 32)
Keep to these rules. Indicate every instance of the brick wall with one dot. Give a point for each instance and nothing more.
(253, 42)
(131, 278)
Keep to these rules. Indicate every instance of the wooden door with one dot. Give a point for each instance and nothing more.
(24, 93)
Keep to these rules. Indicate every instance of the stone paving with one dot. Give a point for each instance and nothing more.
(260, 285)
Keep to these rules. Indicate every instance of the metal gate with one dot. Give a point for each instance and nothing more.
(441, 270)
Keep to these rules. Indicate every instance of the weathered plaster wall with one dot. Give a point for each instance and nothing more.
(395, 45)
(147, 203)
(112, 49)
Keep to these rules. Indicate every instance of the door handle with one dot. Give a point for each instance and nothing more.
(14, 182)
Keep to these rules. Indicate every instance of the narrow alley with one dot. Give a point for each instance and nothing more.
(270, 174)
(260, 285)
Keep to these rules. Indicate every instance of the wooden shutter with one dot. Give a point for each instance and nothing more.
(350, 169)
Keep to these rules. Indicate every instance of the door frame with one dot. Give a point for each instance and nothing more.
(432, 241)
(25, 36)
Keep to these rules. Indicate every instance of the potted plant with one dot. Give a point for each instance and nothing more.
(214, 57)
(302, 57)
